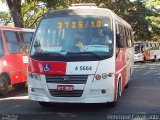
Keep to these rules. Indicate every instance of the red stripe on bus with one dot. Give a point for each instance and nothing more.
(120, 68)
(56, 68)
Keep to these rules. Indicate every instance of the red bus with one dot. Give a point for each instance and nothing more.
(14, 46)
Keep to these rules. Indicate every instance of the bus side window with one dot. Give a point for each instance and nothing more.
(13, 43)
(125, 34)
(129, 38)
(118, 43)
(142, 48)
(119, 37)
(1, 46)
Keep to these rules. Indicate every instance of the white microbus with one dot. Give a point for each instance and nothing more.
(141, 51)
(146, 51)
(82, 54)
(154, 50)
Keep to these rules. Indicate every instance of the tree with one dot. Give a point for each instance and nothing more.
(154, 19)
(32, 12)
(5, 18)
(16, 12)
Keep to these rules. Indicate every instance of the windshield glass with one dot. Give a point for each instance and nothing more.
(74, 34)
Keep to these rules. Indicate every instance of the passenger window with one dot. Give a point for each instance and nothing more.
(131, 36)
(12, 41)
(122, 41)
(126, 37)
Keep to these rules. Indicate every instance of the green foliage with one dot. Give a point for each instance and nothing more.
(32, 12)
(5, 18)
(154, 19)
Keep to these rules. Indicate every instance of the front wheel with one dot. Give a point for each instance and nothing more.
(118, 95)
(155, 58)
(3, 86)
(144, 60)
(20, 85)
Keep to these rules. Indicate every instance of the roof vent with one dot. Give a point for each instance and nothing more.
(83, 5)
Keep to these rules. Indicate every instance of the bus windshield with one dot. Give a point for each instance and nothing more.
(74, 36)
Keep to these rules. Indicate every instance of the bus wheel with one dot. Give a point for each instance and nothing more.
(144, 60)
(118, 94)
(155, 57)
(20, 85)
(44, 104)
(3, 86)
(127, 85)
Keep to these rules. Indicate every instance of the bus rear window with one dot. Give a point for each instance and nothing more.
(26, 39)
(12, 41)
(27, 36)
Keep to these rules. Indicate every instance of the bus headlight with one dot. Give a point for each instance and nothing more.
(98, 77)
(104, 75)
(110, 74)
(35, 76)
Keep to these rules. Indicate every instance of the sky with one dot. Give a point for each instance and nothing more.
(3, 7)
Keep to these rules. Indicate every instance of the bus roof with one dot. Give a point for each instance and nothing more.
(10, 28)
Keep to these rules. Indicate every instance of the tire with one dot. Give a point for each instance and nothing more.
(155, 58)
(127, 86)
(118, 95)
(44, 104)
(144, 60)
(3, 86)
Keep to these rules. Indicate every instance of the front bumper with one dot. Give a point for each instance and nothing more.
(92, 91)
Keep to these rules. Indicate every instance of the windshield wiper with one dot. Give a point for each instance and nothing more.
(86, 53)
(51, 54)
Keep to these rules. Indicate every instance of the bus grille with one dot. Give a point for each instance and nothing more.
(67, 79)
(75, 93)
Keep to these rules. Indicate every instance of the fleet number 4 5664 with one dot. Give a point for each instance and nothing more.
(83, 68)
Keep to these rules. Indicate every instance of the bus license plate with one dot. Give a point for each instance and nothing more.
(65, 87)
